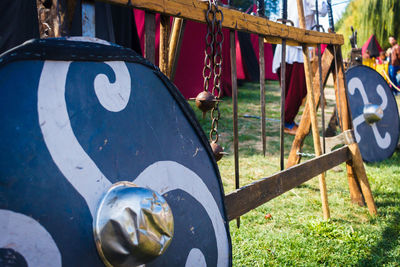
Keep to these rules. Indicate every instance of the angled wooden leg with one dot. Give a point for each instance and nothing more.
(354, 187)
(363, 190)
(305, 123)
(175, 43)
(164, 43)
(359, 170)
(311, 100)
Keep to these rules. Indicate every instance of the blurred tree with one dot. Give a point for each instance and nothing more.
(379, 17)
(271, 6)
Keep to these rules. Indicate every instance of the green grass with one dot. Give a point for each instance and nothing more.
(297, 234)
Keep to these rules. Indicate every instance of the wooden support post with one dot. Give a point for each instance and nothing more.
(313, 113)
(164, 44)
(175, 43)
(235, 110)
(356, 163)
(262, 92)
(150, 37)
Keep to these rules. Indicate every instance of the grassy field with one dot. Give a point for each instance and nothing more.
(296, 234)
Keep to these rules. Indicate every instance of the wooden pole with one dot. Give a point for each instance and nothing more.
(282, 106)
(149, 37)
(262, 92)
(175, 43)
(321, 87)
(235, 110)
(164, 38)
(283, 93)
(261, 13)
(313, 113)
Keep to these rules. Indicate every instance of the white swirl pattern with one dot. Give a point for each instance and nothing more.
(29, 238)
(356, 83)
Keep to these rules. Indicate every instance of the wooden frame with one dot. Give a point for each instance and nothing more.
(249, 197)
(263, 190)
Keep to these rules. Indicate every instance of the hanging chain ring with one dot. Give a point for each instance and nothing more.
(205, 100)
(209, 99)
(217, 71)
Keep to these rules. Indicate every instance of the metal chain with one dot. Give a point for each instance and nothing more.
(218, 38)
(209, 50)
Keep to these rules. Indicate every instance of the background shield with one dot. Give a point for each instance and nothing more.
(378, 140)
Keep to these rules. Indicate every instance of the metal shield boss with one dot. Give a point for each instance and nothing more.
(133, 225)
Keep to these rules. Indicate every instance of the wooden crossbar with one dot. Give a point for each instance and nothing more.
(235, 20)
(261, 191)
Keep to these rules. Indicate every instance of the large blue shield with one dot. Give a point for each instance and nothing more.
(78, 117)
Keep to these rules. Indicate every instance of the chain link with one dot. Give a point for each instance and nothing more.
(218, 39)
(209, 50)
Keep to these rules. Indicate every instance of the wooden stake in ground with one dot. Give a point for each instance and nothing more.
(313, 113)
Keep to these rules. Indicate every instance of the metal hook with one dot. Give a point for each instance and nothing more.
(285, 21)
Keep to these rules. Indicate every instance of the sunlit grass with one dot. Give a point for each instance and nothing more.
(296, 233)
